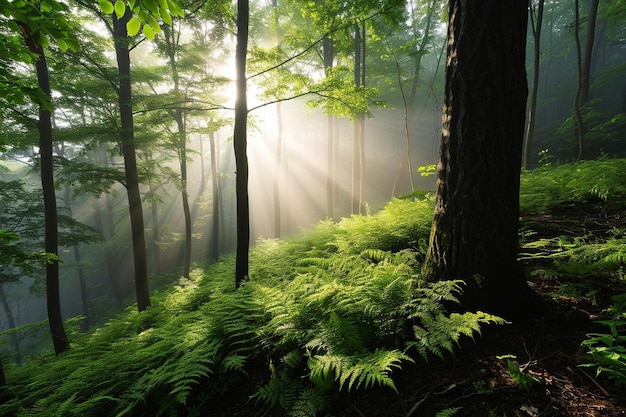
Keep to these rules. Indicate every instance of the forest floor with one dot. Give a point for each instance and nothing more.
(476, 380)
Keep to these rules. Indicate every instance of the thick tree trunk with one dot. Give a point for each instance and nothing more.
(532, 111)
(122, 51)
(475, 228)
(55, 318)
(240, 144)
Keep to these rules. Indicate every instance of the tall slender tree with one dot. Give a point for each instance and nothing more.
(240, 144)
(127, 135)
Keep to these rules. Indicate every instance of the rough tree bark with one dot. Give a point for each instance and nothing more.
(474, 235)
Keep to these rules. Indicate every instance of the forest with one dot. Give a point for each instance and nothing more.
(312, 208)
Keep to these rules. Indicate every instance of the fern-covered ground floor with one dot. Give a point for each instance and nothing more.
(532, 369)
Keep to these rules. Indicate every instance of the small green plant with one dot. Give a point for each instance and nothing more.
(427, 170)
(545, 159)
(608, 350)
(448, 412)
(518, 373)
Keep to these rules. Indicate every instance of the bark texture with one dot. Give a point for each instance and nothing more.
(474, 235)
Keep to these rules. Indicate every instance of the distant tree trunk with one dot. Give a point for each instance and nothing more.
(170, 47)
(11, 322)
(156, 249)
(532, 111)
(421, 50)
(215, 236)
(55, 318)
(474, 234)
(584, 71)
(127, 136)
(3, 378)
(329, 56)
(277, 174)
(84, 324)
(589, 43)
(108, 232)
(279, 140)
(240, 140)
(185, 194)
(357, 167)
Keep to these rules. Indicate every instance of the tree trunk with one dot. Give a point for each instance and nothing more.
(278, 171)
(329, 54)
(421, 50)
(185, 194)
(584, 72)
(532, 112)
(215, 236)
(240, 145)
(474, 235)
(181, 141)
(11, 322)
(156, 249)
(127, 136)
(55, 318)
(84, 324)
(357, 169)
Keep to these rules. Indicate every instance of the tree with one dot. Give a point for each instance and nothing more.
(536, 23)
(240, 144)
(584, 71)
(474, 234)
(127, 21)
(36, 23)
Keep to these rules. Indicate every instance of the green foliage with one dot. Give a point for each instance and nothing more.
(518, 375)
(339, 308)
(545, 188)
(448, 412)
(607, 351)
(145, 12)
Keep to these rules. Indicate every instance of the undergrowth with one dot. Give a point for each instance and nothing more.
(546, 188)
(337, 309)
(328, 313)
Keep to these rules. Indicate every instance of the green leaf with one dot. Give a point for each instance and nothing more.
(62, 44)
(106, 6)
(120, 8)
(133, 26)
(166, 16)
(152, 6)
(148, 32)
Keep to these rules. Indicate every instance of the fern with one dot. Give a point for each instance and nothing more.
(364, 370)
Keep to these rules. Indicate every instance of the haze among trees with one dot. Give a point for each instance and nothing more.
(312, 208)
